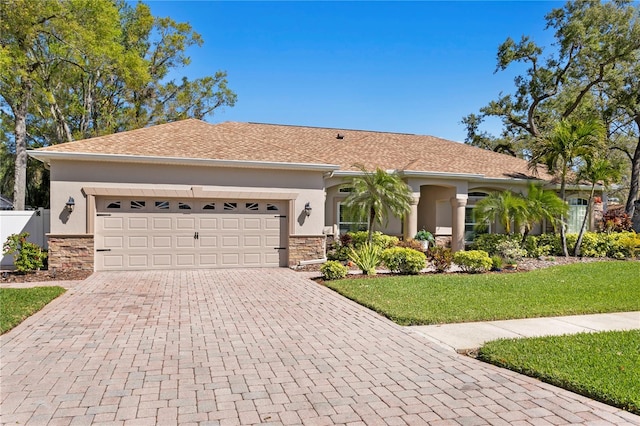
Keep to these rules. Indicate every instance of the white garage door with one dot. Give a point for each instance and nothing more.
(150, 233)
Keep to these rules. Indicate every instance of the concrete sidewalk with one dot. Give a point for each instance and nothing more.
(463, 337)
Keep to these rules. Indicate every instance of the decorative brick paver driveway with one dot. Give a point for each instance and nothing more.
(252, 347)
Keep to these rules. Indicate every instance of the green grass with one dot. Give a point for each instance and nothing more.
(585, 288)
(603, 366)
(17, 304)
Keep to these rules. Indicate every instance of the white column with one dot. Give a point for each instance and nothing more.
(457, 230)
(411, 220)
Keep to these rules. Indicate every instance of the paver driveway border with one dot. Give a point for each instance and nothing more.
(252, 347)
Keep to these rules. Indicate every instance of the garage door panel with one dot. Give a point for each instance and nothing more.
(161, 260)
(161, 223)
(230, 224)
(138, 261)
(186, 223)
(113, 223)
(160, 242)
(139, 242)
(138, 223)
(113, 242)
(185, 241)
(208, 241)
(243, 236)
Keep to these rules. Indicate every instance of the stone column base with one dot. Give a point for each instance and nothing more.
(71, 252)
(306, 247)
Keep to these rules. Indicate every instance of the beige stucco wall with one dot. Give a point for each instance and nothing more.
(68, 179)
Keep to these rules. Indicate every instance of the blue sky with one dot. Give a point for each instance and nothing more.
(411, 67)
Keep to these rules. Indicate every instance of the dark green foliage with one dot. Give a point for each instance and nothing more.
(27, 256)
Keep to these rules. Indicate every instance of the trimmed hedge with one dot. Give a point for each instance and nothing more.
(333, 270)
(404, 261)
(473, 261)
(617, 245)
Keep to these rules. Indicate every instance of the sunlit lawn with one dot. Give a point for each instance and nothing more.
(17, 304)
(579, 288)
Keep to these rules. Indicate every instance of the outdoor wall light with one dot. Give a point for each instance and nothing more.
(70, 204)
(307, 209)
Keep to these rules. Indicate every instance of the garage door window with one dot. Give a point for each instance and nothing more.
(137, 205)
(162, 205)
(114, 205)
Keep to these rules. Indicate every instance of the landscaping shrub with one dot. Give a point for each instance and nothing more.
(378, 239)
(341, 248)
(489, 242)
(27, 256)
(615, 220)
(538, 247)
(333, 270)
(366, 257)
(510, 249)
(404, 261)
(473, 260)
(441, 257)
(496, 263)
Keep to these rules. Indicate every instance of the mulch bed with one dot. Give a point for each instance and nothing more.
(45, 275)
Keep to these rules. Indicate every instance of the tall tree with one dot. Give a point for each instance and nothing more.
(596, 50)
(376, 195)
(564, 149)
(542, 205)
(504, 207)
(595, 170)
(80, 68)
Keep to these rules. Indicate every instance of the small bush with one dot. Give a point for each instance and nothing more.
(615, 220)
(489, 242)
(510, 249)
(333, 270)
(441, 257)
(404, 261)
(496, 263)
(27, 256)
(378, 239)
(366, 257)
(473, 260)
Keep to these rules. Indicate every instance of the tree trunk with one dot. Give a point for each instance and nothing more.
(20, 176)
(635, 176)
(563, 234)
(576, 250)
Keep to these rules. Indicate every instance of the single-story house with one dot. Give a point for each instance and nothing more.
(190, 194)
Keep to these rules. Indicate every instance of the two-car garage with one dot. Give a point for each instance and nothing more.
(168, 233)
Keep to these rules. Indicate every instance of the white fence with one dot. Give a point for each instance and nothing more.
(35, 222)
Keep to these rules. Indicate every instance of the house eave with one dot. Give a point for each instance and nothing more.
(46, 157)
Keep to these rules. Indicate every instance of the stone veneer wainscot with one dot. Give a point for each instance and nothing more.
(71, 252)
(306, 247)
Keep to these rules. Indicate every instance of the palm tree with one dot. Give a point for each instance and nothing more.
(504, 207)
(542, 204)
(560, 151)
(595, 170)
(377, 194)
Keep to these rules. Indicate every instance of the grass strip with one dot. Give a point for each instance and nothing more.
(579, 288)
(17, 304)
(603, 366)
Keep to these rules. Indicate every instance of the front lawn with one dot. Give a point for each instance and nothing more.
(603, 366)
(17, 304)
(579, 288)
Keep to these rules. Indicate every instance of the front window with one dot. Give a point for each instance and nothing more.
(577, 211)
(347, 224)
(470, 221)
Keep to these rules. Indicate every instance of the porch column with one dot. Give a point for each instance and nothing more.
(411, 221)
(457, 229)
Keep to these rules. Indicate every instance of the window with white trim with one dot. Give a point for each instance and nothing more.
(577, 211)
(470, 221)
(346, 224)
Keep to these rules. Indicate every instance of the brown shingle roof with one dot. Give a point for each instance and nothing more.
(296, 144)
